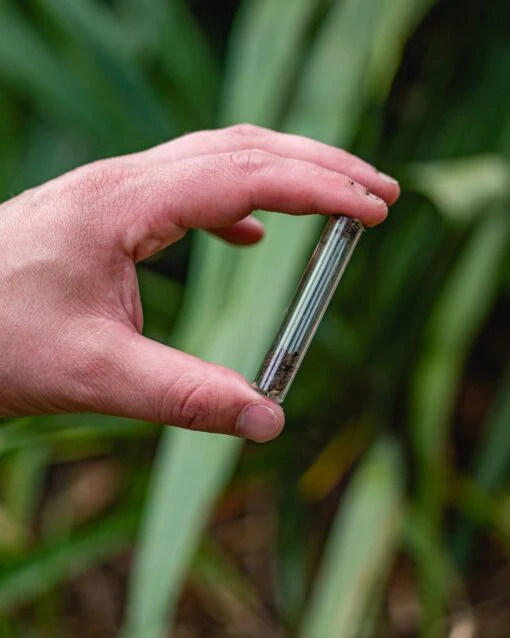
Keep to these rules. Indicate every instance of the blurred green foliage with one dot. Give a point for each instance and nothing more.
(372, 450)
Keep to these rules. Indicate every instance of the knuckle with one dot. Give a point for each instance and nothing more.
(193, 406)
(106, 193)
(248, 162)
(103, 180)
(249, 133)
(84, 201)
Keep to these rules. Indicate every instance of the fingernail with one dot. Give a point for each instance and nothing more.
(388, 178)
(258, 423)
(375, 198)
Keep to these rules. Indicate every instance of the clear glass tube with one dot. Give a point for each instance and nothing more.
(312, 297)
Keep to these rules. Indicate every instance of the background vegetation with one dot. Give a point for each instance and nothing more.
(384, 509)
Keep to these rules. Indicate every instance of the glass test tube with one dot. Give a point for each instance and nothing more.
(312, 297)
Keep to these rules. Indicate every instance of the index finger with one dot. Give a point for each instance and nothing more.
(247, 136)
(215, 191)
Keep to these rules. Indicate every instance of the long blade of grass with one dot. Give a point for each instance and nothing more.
(251, 96)
(171, 35)
(361, 543)
(61, 429)
(172, 513)
(48, 82)
(397, 22)
(22, 482)
(327, 104)
(161, 298)
(239, 331)
(25, 578)
(117, 79)
(326, 75)
(494, 457)
(463, 188)
(466, 298)
(180, 500)
(282, 23)
(492, 465)
(418, 543)
(211, 270)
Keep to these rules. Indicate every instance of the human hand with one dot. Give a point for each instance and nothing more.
(70, 315)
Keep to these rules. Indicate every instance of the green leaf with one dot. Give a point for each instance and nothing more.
(250, 95)
(397, 23)
(21, 434)
(331, 90)
(48, 154)
(60, 559)
(360, 546)
(464, 188)
(49, 83)
(173, 522)
(169, 33)
(494, 456)
(492, 464)
(23, 482)
(291, 574)
(210, 275)
(212, 568)
(170, 29)
(465, 300)
(121, 88)
(161, 298)
(434, 556)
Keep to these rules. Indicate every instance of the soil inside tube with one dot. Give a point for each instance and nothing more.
(284, 373)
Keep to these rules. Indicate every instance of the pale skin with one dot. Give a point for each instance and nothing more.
(70, 312)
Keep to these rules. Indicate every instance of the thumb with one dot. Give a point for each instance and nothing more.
(146, 380)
